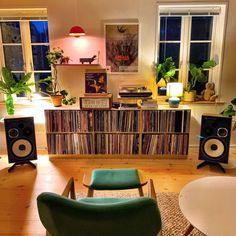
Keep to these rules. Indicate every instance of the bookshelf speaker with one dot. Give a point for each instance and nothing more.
(20, 139)
(215, 138)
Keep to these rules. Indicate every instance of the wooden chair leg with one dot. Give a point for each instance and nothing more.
(140, 190)
(188, 230)
(90, 192)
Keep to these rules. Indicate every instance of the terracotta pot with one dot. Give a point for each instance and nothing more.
(56, 100)
(189, 96)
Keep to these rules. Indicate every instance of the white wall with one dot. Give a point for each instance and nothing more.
(91, 15)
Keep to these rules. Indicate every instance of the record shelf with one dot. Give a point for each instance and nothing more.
(118, 133)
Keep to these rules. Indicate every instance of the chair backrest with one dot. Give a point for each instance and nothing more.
(128, 217)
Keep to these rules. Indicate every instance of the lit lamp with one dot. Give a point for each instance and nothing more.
(76, 31)
(174, 91)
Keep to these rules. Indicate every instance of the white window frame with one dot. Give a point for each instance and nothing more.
(24, 21)
(217, 45)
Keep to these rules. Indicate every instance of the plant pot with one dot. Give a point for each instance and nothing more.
(189, 96)
(56, 100)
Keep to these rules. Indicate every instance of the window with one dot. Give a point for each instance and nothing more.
(191, 34)
(23, 45)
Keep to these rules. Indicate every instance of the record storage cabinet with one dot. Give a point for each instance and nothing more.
(117, 133)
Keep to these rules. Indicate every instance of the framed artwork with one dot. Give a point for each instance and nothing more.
(96, 81)
(122, 42)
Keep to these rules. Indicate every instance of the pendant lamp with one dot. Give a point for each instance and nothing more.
(76, 31)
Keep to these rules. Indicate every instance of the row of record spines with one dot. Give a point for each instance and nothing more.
(88, 121)
(165, 144)
(166, 121)
(83, 144)
(70, 143)
(116, 121)
(117, 143)
(69, 121)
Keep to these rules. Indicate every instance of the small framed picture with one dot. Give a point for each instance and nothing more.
(96, 81)
(122, 43)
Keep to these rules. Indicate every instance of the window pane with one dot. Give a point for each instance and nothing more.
(42, 87)
(169, 50)
(13, 58)
(199, 53)
(39, 31)
(170, 28)
(11, 32)
(202, 28)
(39, 57)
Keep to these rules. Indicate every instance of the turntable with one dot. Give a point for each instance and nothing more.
(134, 91)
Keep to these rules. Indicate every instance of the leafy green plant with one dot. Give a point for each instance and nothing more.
(197, 74)
(165, 70)
(8, 85)
(229, 111)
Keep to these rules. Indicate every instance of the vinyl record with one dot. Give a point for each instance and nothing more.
(213, 148)
(22, 148)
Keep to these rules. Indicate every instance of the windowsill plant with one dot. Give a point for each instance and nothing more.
(9, 86)
(197, 75)
(164, 73)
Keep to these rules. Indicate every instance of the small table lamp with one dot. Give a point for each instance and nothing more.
(174, 91)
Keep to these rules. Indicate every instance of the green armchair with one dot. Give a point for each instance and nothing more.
(62, 216)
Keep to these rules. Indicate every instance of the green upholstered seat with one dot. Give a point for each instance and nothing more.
(99, 216)
(114, 179)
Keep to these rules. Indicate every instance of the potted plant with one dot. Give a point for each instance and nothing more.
(164, 74)
(197, 75)
(10, 86)
(229, 111)
(58, 96)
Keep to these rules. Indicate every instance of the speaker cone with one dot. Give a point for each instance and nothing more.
(213, 148)
(22, 148)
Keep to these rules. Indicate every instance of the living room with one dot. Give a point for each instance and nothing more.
(23, 184)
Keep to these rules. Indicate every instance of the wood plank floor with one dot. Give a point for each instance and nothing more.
(20, 188)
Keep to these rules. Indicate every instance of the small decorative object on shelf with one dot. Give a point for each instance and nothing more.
(87, 59)
(96, 101)
(208, 94)
(174, 91)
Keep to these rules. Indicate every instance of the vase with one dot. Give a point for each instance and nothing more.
(10, 104)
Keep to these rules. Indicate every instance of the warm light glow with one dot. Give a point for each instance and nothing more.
(76, 31)
(174, 89)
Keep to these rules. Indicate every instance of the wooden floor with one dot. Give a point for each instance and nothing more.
(20, 188)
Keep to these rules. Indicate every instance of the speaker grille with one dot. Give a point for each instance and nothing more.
(215, 138)
(20, 138)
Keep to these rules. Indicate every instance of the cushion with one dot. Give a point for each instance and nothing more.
(114, 179)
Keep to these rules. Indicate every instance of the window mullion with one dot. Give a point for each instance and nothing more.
(27, 50)
(2, 60)
(185, 44)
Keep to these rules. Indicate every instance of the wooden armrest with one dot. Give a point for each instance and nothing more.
(151, 190)
(86, 181)
(69, 189)
(143, 180)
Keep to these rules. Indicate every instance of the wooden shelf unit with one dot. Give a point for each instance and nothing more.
(128, 133)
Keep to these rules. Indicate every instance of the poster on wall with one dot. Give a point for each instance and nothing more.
(122, 47)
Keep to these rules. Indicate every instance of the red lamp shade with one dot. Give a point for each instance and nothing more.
(76, 31)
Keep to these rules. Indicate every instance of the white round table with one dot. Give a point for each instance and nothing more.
(209, 204)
